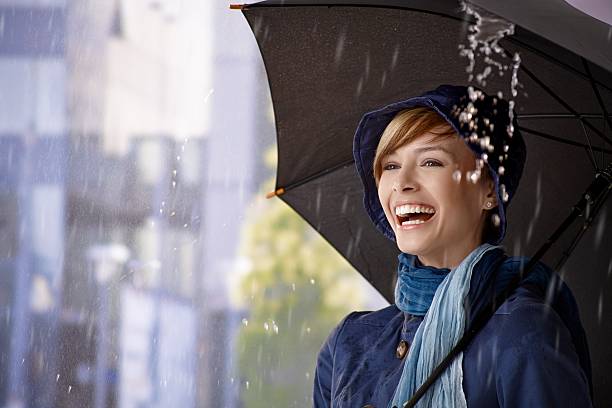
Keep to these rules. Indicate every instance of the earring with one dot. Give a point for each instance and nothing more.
(489, 204)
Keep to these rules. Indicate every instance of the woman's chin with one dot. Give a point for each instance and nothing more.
(411, 247)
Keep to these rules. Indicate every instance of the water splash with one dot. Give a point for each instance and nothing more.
(483, 40)
(483, 44)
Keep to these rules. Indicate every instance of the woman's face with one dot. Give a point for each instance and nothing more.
(436, 212)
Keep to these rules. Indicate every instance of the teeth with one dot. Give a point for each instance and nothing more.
(412, 209)
(413, 222)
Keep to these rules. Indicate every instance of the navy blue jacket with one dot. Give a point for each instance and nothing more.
(523, 357)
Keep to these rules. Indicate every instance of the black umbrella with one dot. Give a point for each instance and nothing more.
(327, 64)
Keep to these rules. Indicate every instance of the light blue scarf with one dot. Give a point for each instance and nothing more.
(442, 327)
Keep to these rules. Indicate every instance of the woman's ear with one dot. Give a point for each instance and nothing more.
(490, 200)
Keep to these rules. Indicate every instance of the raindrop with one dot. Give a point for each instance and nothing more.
(501, 170)
(496, 220)
(339, 47)
(473, 176)
(266, 326)
(173, 184)
(312, 281)
(308, 330)
(57, 378)
(457, 176)
(69, 389)
(599, 230)
(344, 204)
(245, 322)
(247, 385)
(395, 57)
(530, 230)
(359, 87)
(307, 375)
(293, 286)
(212, 90)
(504, 193)
(275, 328)
(600, 308)
(473, 94)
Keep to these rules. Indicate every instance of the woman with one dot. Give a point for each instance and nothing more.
(439, 171)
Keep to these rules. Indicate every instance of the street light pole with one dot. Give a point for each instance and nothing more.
(106, 261)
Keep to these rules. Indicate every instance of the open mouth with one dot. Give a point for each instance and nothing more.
(413, 214)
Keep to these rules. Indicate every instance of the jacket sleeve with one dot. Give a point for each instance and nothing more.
(324, 371)
(538, 365)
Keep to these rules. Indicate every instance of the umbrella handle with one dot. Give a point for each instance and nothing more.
(598, 189)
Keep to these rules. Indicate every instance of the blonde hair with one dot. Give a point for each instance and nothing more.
(406, 126)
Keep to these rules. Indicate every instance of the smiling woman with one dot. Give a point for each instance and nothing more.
(439, 171)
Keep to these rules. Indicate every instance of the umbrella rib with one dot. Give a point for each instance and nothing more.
(559, 116)
(544, 55)
(596, 91)
(590, 149)
(317, 175)
(560, 100)
(566, 105)
(560, 139)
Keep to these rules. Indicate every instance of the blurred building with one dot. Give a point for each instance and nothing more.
(108, 117)
(136, 175)
(33, 147)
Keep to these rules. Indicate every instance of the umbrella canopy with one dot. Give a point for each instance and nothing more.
(328, 64)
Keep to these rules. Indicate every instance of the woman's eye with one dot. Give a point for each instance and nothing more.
(389, 166)
(431, 163)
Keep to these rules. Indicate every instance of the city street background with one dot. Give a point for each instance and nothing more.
(140, 263)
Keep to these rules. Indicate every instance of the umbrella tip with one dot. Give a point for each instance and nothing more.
(236, 6)
(277, 192)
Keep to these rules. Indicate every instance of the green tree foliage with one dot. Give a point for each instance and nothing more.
(297, 289)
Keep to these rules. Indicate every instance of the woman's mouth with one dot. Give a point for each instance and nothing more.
(410, 216)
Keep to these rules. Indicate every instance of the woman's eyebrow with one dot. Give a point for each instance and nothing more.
(424, 149)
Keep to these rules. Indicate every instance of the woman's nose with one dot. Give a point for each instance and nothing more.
(404, 181)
